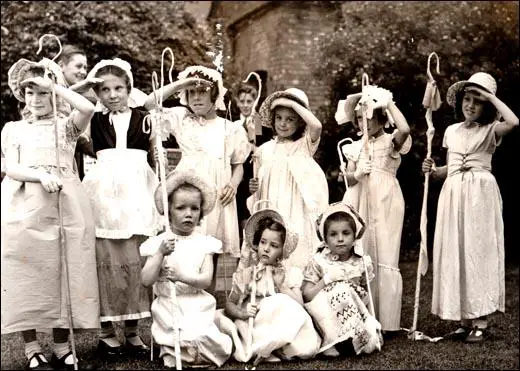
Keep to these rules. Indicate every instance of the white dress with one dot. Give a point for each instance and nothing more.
(212, 146)
(468, 249)
(296, 186)
(379, 201)
(193, 310)
(281, 328)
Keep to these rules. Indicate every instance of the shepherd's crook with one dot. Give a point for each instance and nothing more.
(431, 102)
(63, 253)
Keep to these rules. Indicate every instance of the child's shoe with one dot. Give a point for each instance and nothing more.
(38, 362)
(476, 335)
(61, 364)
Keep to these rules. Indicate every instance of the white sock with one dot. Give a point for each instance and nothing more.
(169, 360)
(60, 349)
(32, 348)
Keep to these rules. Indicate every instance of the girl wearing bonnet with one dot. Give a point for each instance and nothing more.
(120, 187)
(267, 292)
(36, 193)
(213, 145)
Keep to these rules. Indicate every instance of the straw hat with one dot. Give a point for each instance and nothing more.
(267, 109)
(190, 176)
(344, 208)
(207, 74)
(480, 79)
(291, 237)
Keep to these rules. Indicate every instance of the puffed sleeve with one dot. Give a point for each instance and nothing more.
(9, 138)
(313, 271)
(405, 148)
(175, 117)
(493, 140)
(240, 145)
(151, 245)
(294, 277)
(211, 245)
(445, 137)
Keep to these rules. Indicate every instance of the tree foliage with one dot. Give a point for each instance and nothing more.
(391, 41)
(136, 31)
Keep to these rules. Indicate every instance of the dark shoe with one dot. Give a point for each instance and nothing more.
(109, 353)
(59, 363)
(459, 334)
(138, 350)
(42, 363)
(476, 335)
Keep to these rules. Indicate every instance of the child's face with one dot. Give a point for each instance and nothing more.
(113, 92)
(199, 100)
(76, 69)
(340, 238)
(286, 122)
(185, 211)
(245, 104)
(472, 107)
(270, 247)
(38, 100)
(374, 127)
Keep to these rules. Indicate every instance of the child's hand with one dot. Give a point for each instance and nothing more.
(167, 246)
(284, 102)
(171, 274)
(428, 165)
(251, 310)
(164, 154)
(194, 82)
(50, 182)
(85, 85)
(481, 93)
(227, 194)
(334, 274)
(42, 82)
(363, 168)
(253, 185)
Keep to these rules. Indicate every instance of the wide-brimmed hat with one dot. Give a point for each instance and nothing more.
(207, 74)
(267, 109)
(18, 70)
(291, 237)
(336, 208)
(189, 176)
(480, 79)
(345, 112)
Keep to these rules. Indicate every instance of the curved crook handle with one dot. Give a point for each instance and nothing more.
(40, 45)
(167, 49)
(364, 80)
(428, 70)
(259, 86)
(155, 84)
(147, 122)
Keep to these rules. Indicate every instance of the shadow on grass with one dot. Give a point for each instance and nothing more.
(500, 351)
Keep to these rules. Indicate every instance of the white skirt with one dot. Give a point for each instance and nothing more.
(121, 186)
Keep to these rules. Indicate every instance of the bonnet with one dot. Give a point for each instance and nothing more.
(208, 74)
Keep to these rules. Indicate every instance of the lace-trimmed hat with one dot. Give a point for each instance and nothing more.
(291, 237)
(267, 109)
(207, 74)
(189, 176)
(480, 79)
(343, 208)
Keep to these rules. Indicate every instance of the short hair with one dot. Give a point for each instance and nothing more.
(337, 217)
(189, 187)
(271, 224)
(214, 87)
(246, 89)
(488, 115)
(116, 71)
(68, 51)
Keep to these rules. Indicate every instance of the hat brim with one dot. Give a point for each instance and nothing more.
(291, 237)
(266, 112)
(454, 89)
(177, 177)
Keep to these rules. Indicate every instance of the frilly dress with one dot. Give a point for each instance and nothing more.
(295, 184)
(212, 146)
(468, 248)
(33, 294)
(379, 201)
(194, 309)
(281, 327)
(340, 310)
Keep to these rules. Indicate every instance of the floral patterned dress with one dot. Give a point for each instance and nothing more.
(340, 309)
(33, 294)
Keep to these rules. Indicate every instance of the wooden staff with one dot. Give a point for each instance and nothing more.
(63, 252)
(422, 266)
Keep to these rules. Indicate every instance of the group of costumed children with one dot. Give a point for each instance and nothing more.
(312, 278)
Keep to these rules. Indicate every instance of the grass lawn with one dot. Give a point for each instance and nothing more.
(500, 351)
